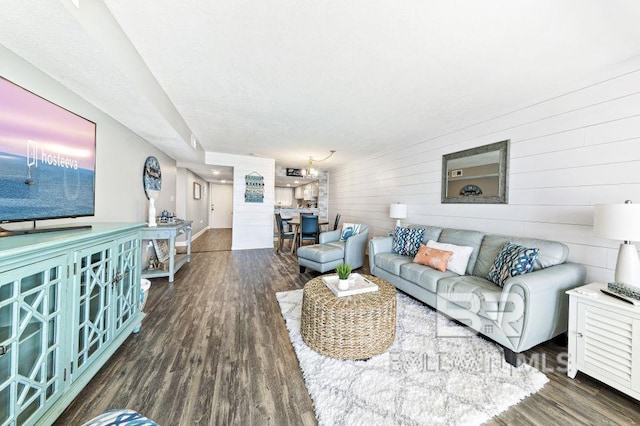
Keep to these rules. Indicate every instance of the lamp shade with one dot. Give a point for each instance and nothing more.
(398, 211)
(617, 221)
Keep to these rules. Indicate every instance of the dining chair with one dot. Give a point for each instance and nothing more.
(308, 228)
(282, 234)
(337, 222)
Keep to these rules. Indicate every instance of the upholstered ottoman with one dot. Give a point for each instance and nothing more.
(321, 257)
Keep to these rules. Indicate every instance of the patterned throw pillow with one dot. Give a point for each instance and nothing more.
(407, 241)
(349, 230)
(511, 261)
(437, 259)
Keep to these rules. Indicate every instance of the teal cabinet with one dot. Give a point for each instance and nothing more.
(67, 301)
(92, 287)
(126, 284)
(31, 311)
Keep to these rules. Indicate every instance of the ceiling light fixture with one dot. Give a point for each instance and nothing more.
(310, 172)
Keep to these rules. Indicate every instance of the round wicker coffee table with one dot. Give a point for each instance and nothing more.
(350, 327)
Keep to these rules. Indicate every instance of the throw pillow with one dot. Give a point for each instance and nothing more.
(437, 259)
(407, 241)
(511, 261)
(459, 260)
(349, 230)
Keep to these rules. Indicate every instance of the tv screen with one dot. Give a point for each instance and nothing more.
(47, 158)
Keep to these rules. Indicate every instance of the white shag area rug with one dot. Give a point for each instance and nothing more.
(420, 380)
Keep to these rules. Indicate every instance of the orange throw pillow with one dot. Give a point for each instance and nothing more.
(437, 259)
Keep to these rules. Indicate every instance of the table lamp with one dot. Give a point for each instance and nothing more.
(398, 211)
(621, 222)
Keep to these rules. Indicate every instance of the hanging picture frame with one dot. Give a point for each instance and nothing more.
(197, 190)
(254, 188)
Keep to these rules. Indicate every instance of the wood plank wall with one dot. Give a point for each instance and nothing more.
(567, 154)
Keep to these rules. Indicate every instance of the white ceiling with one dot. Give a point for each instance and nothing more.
(289, 79)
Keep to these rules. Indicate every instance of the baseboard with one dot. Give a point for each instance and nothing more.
(193, 237)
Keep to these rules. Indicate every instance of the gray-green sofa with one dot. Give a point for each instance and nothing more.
(529, 309)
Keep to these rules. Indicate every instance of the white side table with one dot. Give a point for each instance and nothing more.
(604, 338)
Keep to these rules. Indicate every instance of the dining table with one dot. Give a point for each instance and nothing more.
(295, 227)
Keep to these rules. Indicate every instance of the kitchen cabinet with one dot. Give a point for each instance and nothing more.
(283, 197)
(310, 191)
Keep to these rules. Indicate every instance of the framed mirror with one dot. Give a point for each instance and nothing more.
(477, 175)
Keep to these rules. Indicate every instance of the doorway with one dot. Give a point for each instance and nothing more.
(221, 208)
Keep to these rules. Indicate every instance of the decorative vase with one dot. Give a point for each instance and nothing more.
(152, 212)
(343, 284)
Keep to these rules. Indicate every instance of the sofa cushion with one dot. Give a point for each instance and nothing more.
(391, 262)
(407, 241)
(511, 261)
(475, 294)
(321, 253)
(423, 276)
(434, 258)
(336, 244)
(430, 232)
(462, 237)
(550, 252)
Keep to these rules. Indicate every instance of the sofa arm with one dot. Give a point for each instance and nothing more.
(354, 248)
(379, 245)
(545, 307)
(330, 236)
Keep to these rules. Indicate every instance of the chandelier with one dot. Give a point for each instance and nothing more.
(310, 172)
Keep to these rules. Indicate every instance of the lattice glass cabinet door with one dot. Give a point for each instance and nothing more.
(93, 280)
(31, 306)
(126, 282)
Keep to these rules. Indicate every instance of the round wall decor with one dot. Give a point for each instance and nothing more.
(152, 178)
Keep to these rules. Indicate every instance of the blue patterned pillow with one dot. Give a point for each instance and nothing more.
(513, 260)
(120, 416)
(407, 241)
(349, 230)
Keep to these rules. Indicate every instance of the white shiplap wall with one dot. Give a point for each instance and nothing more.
(567, 154)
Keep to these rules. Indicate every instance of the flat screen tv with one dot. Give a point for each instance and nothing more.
(47, 159)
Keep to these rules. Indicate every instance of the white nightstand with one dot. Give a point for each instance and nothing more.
(604, 338)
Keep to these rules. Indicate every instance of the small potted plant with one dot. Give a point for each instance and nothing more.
(343, 270)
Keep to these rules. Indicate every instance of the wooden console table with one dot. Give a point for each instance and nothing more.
(169, 232)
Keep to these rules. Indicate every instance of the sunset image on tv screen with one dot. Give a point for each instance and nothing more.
(47, 158)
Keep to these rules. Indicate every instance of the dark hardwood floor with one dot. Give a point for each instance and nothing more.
(214, 350)
(213, 240)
